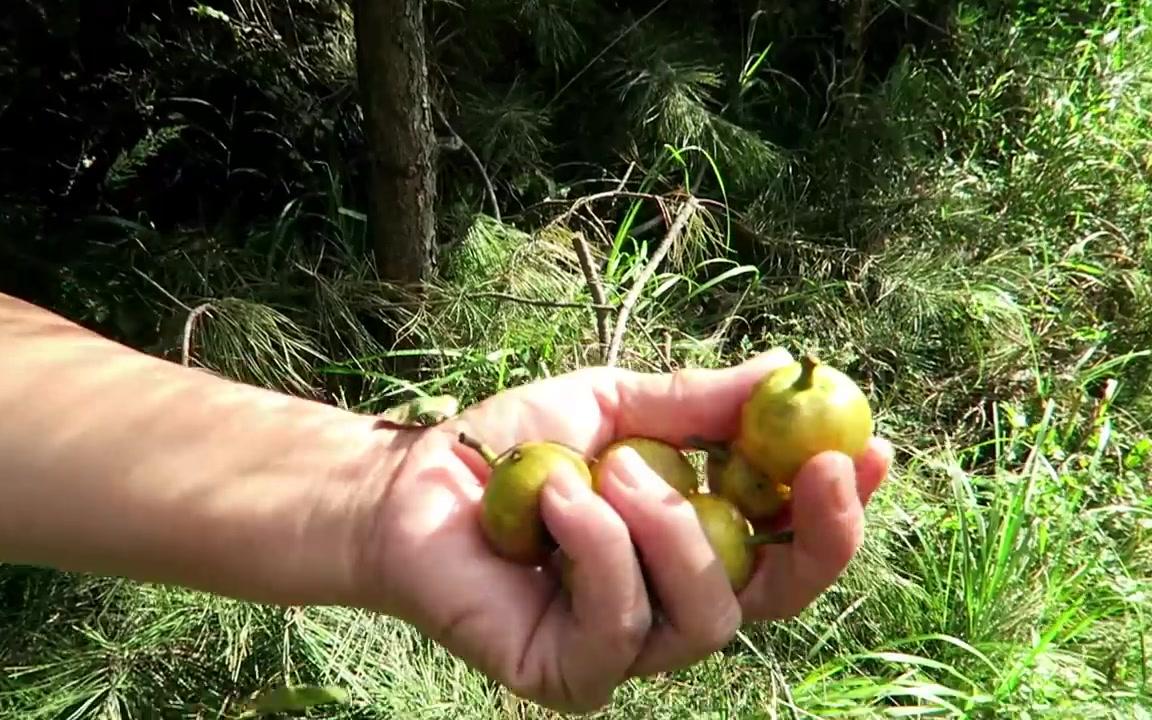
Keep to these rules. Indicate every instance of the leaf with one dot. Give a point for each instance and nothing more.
(422, 411)
(294, 698)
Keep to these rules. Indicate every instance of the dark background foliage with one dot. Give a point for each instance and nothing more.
(176, 115)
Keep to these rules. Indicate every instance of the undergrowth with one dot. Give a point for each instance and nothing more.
(965, 234)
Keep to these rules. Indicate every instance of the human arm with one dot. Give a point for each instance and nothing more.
(119, 463)
(114, 462)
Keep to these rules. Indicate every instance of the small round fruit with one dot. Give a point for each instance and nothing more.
(728, 533)
(510, 507)
(665, 459)
(798, 411)
(757, 497)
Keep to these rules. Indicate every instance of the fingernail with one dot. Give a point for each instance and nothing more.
(843, 476)
(565, 485)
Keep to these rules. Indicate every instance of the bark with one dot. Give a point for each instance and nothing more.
(393, 79)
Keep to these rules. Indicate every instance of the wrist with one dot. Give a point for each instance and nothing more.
(290, 527)
(293, 525)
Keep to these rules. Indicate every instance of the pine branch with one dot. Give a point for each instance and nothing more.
(682, 217)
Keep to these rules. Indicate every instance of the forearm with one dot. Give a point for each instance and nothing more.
(115, 462)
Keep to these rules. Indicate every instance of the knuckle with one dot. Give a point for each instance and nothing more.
(582, 701)
(785, 610)
(790, 605)
(718, 629)
(624, 632)
(823, 565)
(632, 626)
(840, 557)
(596, 374)
(616, 535)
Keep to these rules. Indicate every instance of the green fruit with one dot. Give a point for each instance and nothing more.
(731, 476)
(729, 535)
(510, 507)
(798, 411)
(665, 460)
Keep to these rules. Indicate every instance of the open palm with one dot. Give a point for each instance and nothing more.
(515, 624)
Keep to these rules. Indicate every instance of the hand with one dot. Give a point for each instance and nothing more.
(515, 623)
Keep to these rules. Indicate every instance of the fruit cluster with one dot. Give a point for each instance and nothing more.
(793, 413)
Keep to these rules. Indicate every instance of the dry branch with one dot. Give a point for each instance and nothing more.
(691, 205)
(189, 326)
(488, 186)
(586, 200)
(531, 301)
(595, 287)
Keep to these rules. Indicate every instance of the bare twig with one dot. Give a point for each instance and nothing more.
(604, 51)
(627, 176)
(532, 301)
(595, 287)
(662, 353)
(603, 235)
(189, 326)
(685, 213)
(649, 224)
(607, 194)
(404, 300)
(475, 159)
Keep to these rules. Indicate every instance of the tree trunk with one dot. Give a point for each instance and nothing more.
(393, 80)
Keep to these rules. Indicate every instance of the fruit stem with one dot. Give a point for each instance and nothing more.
(711, 447)
(808, 364)
(485, 452)
(779, 538)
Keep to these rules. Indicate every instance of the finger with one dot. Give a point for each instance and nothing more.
(871, 470)
(828, 527)
(602, 404)
(692, 401)
(591, 645)
(701, 611)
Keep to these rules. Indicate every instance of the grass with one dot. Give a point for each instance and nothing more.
(986, 276)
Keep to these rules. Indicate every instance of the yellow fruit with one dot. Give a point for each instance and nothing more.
(665, 459)
(798, 411)
(728, 533)
(510, 507)
(732, 477)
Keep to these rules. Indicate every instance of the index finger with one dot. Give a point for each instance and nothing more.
(588, 409)
(694, 401)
